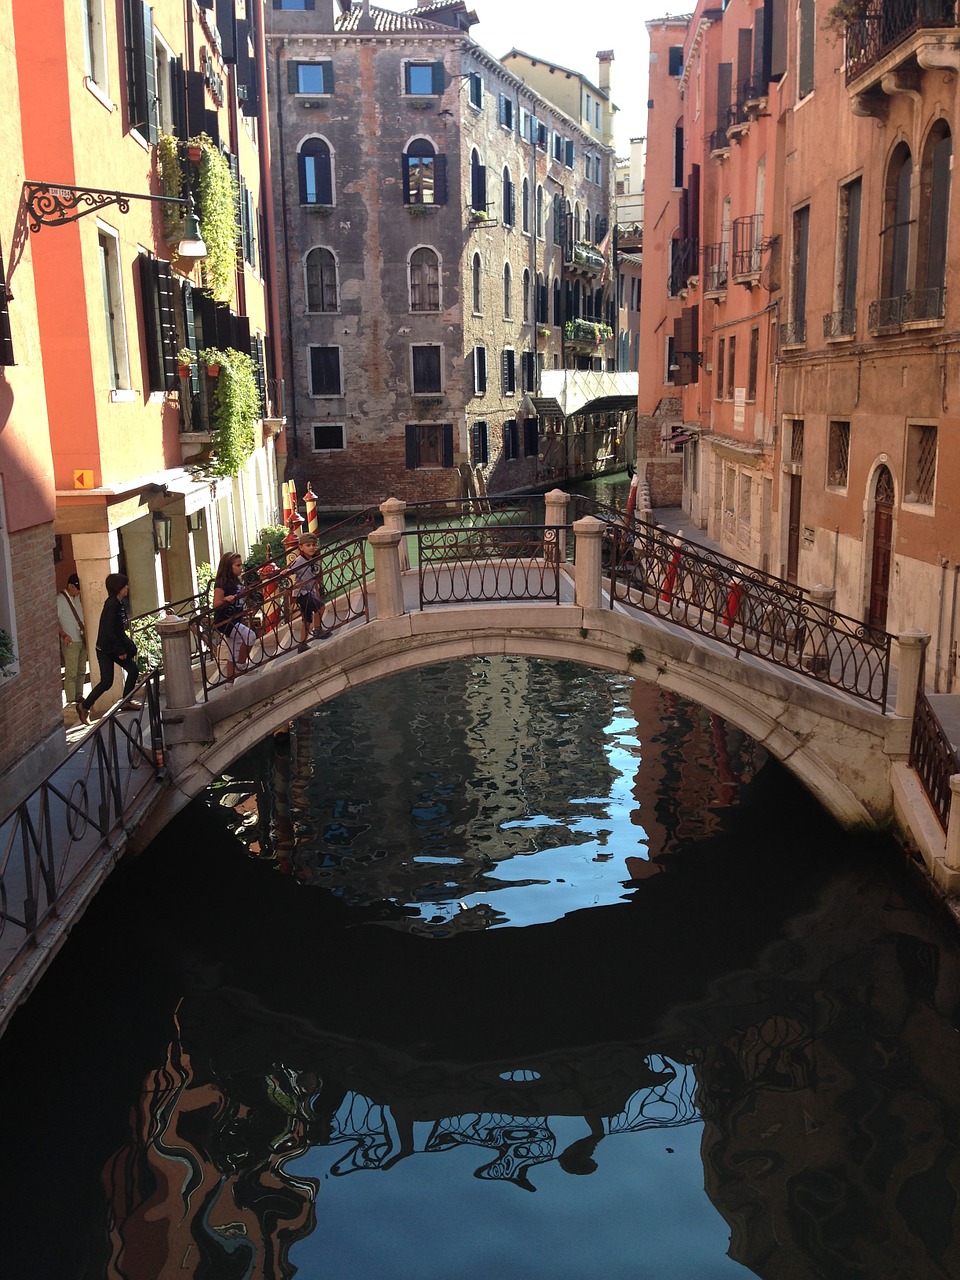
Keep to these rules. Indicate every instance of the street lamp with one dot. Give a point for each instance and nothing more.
(49, 205)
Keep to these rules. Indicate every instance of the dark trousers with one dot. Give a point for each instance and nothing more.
(108, 663)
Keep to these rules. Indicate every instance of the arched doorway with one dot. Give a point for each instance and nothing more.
(882, 549)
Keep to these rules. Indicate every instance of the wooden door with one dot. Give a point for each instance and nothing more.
(882, 550)
(793, 529)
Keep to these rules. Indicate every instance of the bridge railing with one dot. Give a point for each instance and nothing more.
(273, 616)
(933, 758)
(488, 561)
(52, 839)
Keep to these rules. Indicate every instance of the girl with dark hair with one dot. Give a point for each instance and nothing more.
(114, 646)
(228, 609)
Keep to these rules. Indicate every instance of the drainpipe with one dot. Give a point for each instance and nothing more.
(953, 624)
(295, 452)
(936, 660)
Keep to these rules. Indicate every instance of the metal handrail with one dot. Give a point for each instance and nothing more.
(932, 758)
(52, 838)
(488, 562)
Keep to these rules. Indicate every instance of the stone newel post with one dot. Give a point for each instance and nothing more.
(589, 532)
(385, 544)
(952, 851)
(912, 646)
(556, 520)
(815, 653)
(393, 511)
(177, 672)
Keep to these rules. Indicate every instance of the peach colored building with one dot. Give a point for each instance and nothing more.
(119, 444)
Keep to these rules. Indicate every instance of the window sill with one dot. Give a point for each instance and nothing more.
(840, 339)
(122, 395)
(911, 326)
(314, 97)
(918, 508)
(98, 93)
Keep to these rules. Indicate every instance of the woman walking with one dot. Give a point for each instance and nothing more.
(114, 646)
(228, 609)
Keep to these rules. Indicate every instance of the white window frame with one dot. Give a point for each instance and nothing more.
(95, 48)
(115, 329)
(328, 448)
(441, 389)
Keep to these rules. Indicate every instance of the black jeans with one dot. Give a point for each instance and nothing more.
(108, 663)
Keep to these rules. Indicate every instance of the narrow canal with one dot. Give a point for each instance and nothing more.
(504, 968)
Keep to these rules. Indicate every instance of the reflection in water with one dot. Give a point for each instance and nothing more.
(264, 1081)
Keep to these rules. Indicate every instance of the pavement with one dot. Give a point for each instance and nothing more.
(946, 706)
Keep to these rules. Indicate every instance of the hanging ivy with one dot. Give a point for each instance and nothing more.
(235, 408)
(217, 198)
(171, 184)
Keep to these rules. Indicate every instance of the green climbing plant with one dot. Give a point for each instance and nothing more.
(170, 171)
(217, 198)
(235, 407)
(7, 655)
(269, 546)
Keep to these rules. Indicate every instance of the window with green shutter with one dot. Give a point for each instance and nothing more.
(313, 78)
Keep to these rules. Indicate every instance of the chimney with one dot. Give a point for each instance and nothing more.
(605, 57)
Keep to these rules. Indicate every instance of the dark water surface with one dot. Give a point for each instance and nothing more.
(502, 969)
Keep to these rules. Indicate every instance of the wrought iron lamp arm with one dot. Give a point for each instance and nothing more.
(50, 205)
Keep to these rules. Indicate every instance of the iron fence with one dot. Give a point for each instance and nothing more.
(932, 757)
(488, 562)
(53, 838)
(840, 324)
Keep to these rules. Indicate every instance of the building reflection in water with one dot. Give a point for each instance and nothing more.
(744, 967)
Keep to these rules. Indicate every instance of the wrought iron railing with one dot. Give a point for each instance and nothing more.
(793, 333)
(889, 315)
(885, 315)
(488, 562)
(747, 245)
(53, 838)
(684, 263)
(840, 324)
(715, 268)
(932, 758)
(719, 140)
(881, 25)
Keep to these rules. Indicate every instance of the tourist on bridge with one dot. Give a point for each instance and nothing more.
(114, 646)
(73, 640)
(228, 610)
(308, 587)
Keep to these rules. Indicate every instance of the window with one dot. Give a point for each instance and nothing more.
(6, 337)
(558, 220)
(509, 200)
(934, 208)
(524, 129)
(675, 63)
(731, 365)
(141, 68)
(542, 135)
(797, 327)
(531, 437)
(315, 169)
(479, 370)
(424, 280)
(753, 362)
(321, 275)
(508, 371)
(806, 18)
(848, 254)
(528, 371)
(511, 441)
(328, 436)
(721, 379)
(525, 296)
(159, 323)
(476, 90)
(114, 322)
(569, 153)
(426, 370)
(557, 304)
(424, 174)
(746, 506)
(313, 78)
(477, 285)
(423, 79)
(505, 111)
(325, 376)
(678, 156)
(297, 5)
(588, 107)
(586, 226)
(507, 292)
(480, 444)
(896, 229)
(671, 358)
(838, 454)
(541, 303)
(558, 147)
(249, 217)
(525, 206)
(478, 183)
(588, 167)
(539, 212)
(94, 46)
(921, 472)
(429, 444)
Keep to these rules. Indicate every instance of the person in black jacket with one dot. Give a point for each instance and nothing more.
(114, 646)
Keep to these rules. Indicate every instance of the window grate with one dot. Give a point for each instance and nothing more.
(838, 459)
(796, 442)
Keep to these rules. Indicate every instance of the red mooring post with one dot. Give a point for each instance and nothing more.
(666, 593)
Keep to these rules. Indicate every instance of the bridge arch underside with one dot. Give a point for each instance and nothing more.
(834, 746)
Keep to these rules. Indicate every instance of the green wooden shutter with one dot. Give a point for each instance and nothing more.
(151, 323)
(178, 99)
(293, 77)
(148, 109)
(413, 451)
(440, 179)
(438, 77)
(168, 323)
(446, 456)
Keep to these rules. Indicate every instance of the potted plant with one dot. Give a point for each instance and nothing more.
(478, 215)
(184, 362)
(841, 15)
(543, 331)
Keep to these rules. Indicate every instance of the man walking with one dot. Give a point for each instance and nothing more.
(73, 641)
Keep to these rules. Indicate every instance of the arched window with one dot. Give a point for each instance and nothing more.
(507, 291)
(478, 183)
(896, 237)
(321, 268)
(525, 296)
(525, 206)
(424, 280)
(576, 223)
(509, 200)
(477, 284)
(540, 300)
(586, 226)
(558, 219)
(424, 174)
(315, 167)
(557, 304)
(934, 211)
(540, 212)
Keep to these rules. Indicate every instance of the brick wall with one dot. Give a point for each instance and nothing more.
(31, 702)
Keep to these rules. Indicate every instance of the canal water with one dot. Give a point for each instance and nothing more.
(500, 968)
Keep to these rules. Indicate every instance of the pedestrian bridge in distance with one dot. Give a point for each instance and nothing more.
(457, 581)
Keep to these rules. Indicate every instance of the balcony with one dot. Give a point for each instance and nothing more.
(588, 334)
(840, 324)
(888, 44)
(684, 264)
(587, 259)
(747, 248)
(793, 333)
(719, 142)
(715, 269)
(915, 307)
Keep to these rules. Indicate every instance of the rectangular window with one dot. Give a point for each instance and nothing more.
(298, 6)
(838, 454)
(480, 444)
(476, 90)
(678, 157)
(542, 134)
(479, 370)
(313, 78)
(426, 370)
(531, 437)
(921, 472)
(569, 153)
(159, 323)
(798, 294)
(558, 147)
(731, 365)
(325, 375)
(528, 371)
(511, 441)
(429, 445)
(505, 111)
(671, 358)
(806, 40)
(588, 167)
(746, 506)
(848, 253)
(328, 436)
(753, 363)
(141, 68)
(423, 79)
(94, 47)
(509, 372)
(721, 368)
(675, 65)
(114, 322)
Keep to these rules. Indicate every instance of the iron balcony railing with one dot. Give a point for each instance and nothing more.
(684, 263)
(719, 140)
(715, 267)
(889, 315)
(793, 333)
(52, 840)
(932, 757)
(881, 25)
(840, 324)
(588, 258)
(747, 245)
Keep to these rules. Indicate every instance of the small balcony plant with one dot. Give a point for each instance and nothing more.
(235, 407)
(185, 361)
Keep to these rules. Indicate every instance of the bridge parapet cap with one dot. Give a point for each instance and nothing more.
(588, 527)
(392, 505)
(171, 624)
(384, 537)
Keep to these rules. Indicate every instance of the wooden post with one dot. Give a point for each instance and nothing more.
(388, 583)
